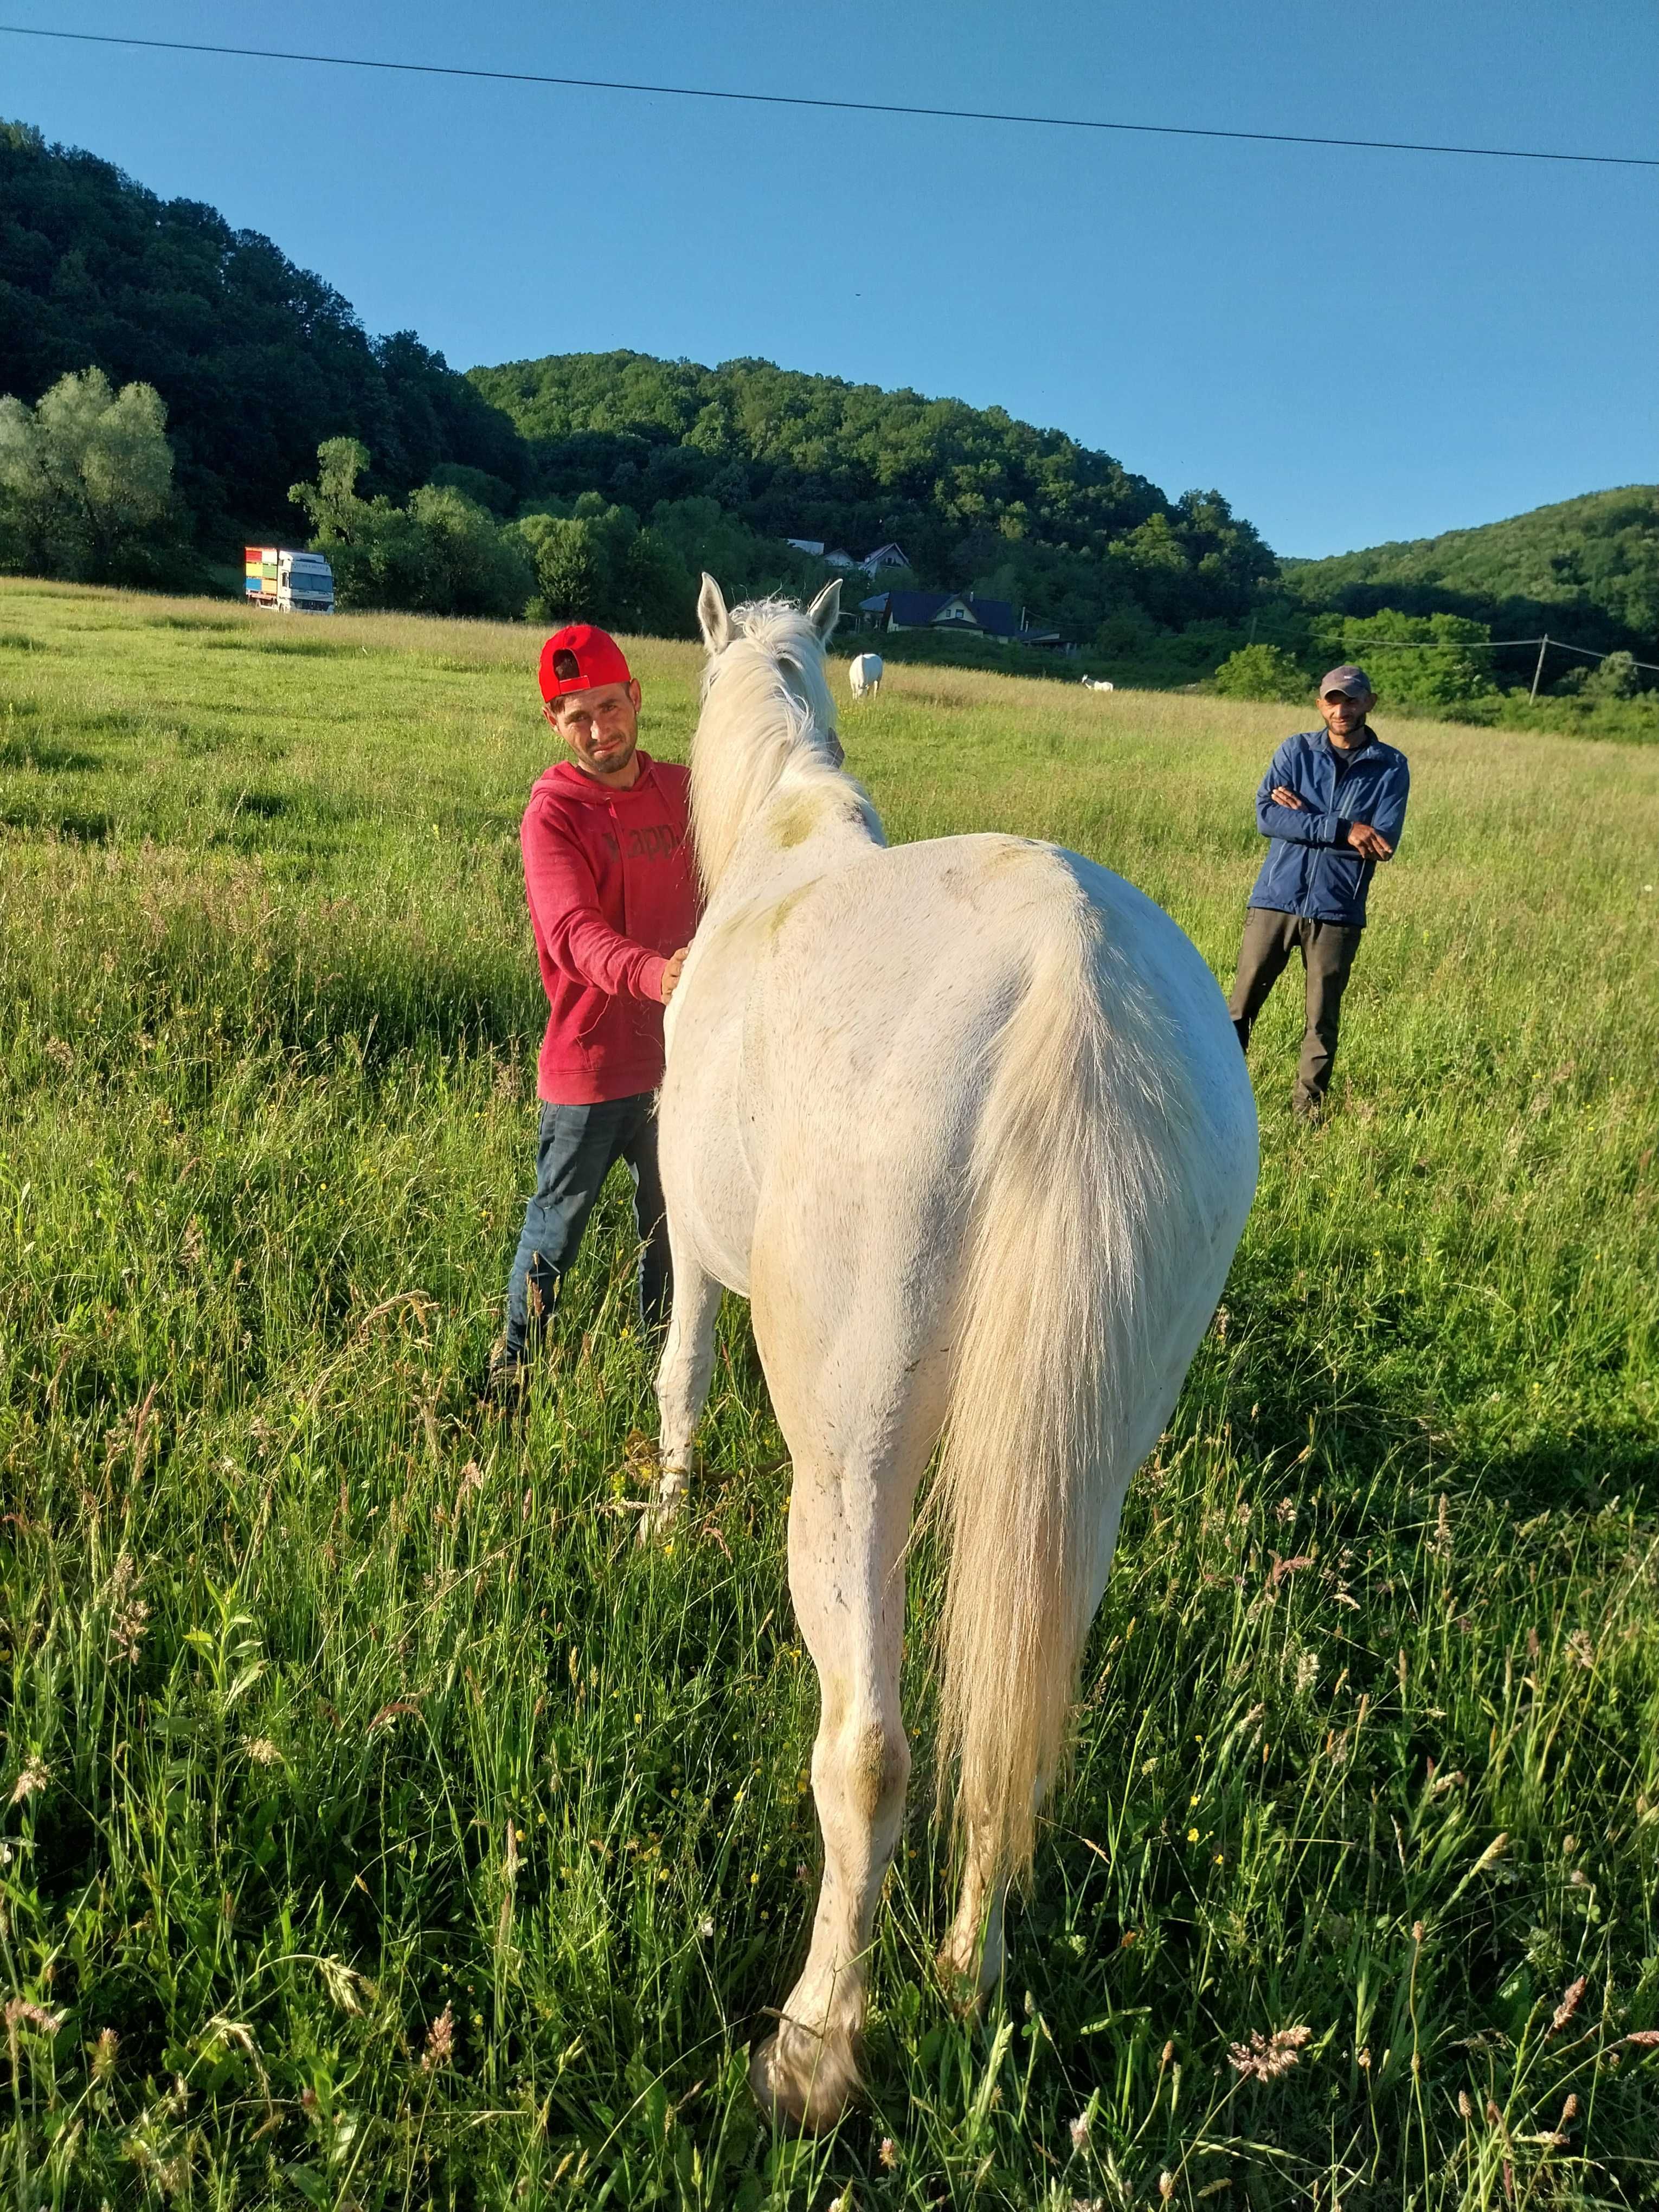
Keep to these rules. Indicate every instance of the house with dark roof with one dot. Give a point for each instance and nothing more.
(956, 613)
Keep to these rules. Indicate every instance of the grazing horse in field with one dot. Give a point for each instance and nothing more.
(968, 1124)
(863, 673)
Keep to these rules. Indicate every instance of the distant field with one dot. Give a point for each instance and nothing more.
(330, 1707)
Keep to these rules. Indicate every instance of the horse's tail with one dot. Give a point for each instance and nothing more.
(1078, 1179)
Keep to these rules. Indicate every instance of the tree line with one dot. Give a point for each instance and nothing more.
(196, 389)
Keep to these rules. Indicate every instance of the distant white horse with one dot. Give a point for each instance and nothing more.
(865, 674)
(968, 1124)
(1096, 683)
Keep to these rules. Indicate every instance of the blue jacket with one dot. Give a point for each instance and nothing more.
(1310, 868)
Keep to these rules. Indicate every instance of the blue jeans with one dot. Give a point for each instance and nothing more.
(577, 1148)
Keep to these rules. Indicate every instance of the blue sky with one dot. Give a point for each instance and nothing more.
(1351, 346)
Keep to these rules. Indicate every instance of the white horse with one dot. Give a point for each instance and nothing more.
(968, 1124)
(1096, 683)
(864, 674)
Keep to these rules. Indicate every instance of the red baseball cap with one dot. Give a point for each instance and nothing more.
(579, 659)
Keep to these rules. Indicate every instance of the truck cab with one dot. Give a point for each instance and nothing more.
(293, 582)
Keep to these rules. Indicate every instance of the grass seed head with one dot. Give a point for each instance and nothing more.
(440, 2042)
(1264, 2058)
(32, 1779)
(1569, 2005)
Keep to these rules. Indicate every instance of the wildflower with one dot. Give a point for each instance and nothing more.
(103, 2054)
(1569, 2005)
(33, 1778)
(1581, 1648)
(889, 2153)
(1264, 2058)
(261, 1750)
(1285, 1510)
(440, 2042)
(1192, 1835)
(706, 1927)
(20, 2013)
(1080, 2132)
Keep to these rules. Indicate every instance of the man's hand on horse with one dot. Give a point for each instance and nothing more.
(1283, 796)
(1369, 843)
(671, 974)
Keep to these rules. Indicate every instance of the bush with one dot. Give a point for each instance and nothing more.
(1261, 671)
(1427, 666)
(598, 565)
(443, 554)
(85, 480)
(1618, 677)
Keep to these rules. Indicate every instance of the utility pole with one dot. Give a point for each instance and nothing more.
(1543, 647)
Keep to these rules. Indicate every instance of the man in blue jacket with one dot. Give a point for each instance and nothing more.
(1332, 806)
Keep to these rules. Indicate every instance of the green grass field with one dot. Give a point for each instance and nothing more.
(381, 1829)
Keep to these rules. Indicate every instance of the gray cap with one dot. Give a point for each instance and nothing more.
(1354, 681)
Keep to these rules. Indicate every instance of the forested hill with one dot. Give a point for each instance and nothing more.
(975, 497)
(257, 361)
(1586, 568)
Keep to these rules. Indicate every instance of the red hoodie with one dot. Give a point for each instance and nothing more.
(612, 892)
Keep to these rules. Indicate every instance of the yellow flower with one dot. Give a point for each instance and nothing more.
(1192, 1835)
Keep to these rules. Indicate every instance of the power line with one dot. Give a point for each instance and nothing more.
(1488, 645)
(840, 107)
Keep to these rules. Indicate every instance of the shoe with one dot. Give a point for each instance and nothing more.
(507, 1384)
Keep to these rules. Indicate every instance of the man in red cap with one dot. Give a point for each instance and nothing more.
(613, 903)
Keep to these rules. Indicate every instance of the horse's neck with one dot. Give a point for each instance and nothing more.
(810, 824)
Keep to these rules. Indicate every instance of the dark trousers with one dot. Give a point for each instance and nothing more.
(1327, 951)
(577, 1148)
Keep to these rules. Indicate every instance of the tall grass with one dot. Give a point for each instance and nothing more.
(381, 1828)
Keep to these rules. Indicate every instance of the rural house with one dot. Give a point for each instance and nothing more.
(958, 612)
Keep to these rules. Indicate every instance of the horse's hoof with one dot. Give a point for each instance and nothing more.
(659, 1516)
(803, 2080)
(968, 1973)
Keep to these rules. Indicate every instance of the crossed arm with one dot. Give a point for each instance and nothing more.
(1280, 813)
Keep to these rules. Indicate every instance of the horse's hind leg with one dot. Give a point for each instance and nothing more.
(847, 1528)
(971, 1956)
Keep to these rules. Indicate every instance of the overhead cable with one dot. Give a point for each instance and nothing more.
(840, 107)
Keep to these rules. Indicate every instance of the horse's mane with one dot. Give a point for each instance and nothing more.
(767, 709)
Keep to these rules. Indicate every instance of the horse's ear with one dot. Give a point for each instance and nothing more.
(713, 620)
(825, 610)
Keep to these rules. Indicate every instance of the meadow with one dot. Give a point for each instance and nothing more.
(380, 1827)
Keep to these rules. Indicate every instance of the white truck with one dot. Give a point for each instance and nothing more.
(297, 583)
